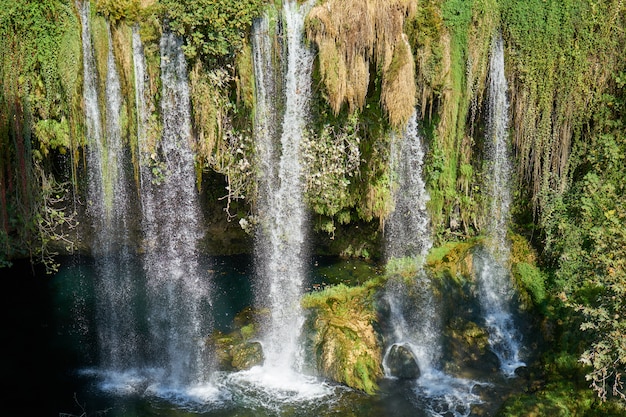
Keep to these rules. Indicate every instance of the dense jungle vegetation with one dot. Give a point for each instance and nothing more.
(376, 61)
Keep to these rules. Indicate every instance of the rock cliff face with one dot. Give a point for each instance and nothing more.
(401, 55)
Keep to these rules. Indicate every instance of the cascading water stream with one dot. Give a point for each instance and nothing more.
(151, 324)
(109, 207)
(178, 294)
(494, 286)
(281, 251)
(413, 310)
(407, 233)
(280, 241)
(407, 237)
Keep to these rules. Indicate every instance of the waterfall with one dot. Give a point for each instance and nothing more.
(498, 148)
(413, 311)
(407, 231)
(407, 240)
(281, 242)
(155, 319)
(109, 208)
(494, 281)
(178, 293)
(92, 116)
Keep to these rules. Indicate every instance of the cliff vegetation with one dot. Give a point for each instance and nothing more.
(376, 63)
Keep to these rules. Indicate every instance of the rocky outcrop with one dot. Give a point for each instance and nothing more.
(342, 337)
(238, 350)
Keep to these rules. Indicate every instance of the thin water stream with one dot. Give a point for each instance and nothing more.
(414, 312)
(150, 316)
(495, 289)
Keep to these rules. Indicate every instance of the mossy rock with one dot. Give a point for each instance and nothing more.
(469, 346)
(453, 260)
(245, 355)
(401, 363)
(342, 336)
(238, 350)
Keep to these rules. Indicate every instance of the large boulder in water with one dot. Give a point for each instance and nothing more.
(401, 362)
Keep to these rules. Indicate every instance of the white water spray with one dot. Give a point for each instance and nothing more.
(407, 239)
(109, 208)
(280, 245)
(281, 242)
(412, 307)
(92, 115)
(408, 232)
(178, 293)
(494, 287)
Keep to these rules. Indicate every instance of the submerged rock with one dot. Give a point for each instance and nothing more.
(401, 363)
(237, 351)
(468, 345)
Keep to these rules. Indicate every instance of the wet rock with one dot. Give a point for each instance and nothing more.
(239, 349)
(469, 347)
(246, 355)
(523, 372)
(401, 363)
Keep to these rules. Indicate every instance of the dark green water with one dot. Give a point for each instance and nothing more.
(51, 364)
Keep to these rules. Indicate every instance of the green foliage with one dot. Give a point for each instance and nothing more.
(586, 238)
(452, 52)
(532, 280)
(52, 135)
(214, 30)
(562, 398)
(556, 48)
(116, 10)
(39, 73)
(332, 160)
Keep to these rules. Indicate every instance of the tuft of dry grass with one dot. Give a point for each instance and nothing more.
(353, 38)
(399, 89)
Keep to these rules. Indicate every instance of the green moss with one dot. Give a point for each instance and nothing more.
(532, 280)
(406, 268)
(344, 342)
(245, 77)
(116, 10)
(237, 350)
(453, 260)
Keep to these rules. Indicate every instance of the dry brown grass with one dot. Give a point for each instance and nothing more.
(353, 35)
(399, 89)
